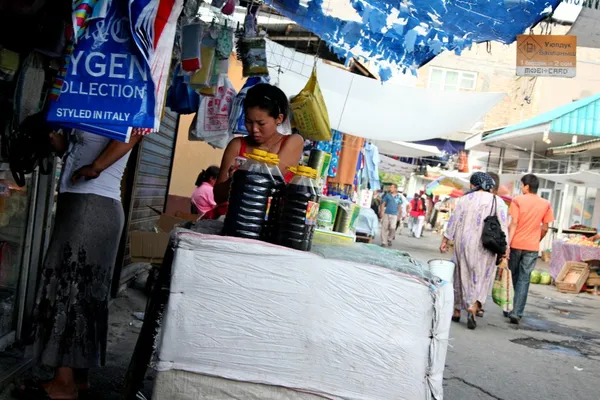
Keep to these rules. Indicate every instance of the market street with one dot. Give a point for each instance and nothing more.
(555, 354)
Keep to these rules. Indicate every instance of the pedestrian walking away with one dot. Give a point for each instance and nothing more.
(475, 265)
(530, 216)
(417, 214)
(388, 212)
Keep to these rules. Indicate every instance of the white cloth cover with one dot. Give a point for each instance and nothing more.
(251, 312)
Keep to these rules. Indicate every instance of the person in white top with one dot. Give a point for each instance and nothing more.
(71, 313)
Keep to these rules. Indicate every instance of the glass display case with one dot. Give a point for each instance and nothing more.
(14, 217)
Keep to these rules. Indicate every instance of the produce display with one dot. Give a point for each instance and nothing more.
(582, 241)
(535, 277)
(540, 278)
(545, 278)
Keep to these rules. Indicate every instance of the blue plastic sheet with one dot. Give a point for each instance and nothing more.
(410, 33)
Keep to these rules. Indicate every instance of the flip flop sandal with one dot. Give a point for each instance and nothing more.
(480, 313)
(471, 323)
(455, 318)
(31, 389)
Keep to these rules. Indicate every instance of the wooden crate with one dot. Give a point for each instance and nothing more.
(572, 277)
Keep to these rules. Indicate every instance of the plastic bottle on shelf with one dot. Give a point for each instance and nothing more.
(251, 191)
(299, 211)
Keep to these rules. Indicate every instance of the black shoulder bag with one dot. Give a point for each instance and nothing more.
(493, 238)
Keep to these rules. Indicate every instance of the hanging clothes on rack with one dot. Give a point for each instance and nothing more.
(348, 159)
(372, 161)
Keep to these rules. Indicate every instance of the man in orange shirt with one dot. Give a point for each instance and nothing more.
(530, 216)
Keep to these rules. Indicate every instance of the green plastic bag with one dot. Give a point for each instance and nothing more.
(502, 291)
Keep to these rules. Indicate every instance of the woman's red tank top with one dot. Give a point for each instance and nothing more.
(287, 175)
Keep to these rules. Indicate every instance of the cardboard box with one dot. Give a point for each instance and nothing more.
(150, 247)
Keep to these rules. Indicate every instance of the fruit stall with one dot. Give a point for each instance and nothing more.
(577, 248)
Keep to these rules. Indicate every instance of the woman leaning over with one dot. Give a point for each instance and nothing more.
(266, 108)
(475, 265)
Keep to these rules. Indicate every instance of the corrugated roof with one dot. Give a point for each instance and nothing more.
(580, 117)
(575, 147)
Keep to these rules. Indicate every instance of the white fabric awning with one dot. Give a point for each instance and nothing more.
(405, 149)
(391, 166)
(367, 108)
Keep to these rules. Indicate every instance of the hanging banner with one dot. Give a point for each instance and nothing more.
(108, 88)
(547, 55)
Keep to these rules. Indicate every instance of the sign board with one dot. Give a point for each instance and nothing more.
(547, 55)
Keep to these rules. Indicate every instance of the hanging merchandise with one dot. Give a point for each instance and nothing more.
(202, 78)
(191, 37)
(212, 120)
(309, 111)
(107, 89)
(30, 85)
(238, 117)
(372, 161)
(348, 160)
(252, 52)
(154, 26)
(180, 97)
(334, 147)
(229, 7)
(9, 64)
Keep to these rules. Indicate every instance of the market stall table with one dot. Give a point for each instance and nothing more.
(563, 252)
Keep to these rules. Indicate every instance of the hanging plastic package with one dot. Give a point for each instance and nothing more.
(212, 119)
(154, 26)
(252, 51)
(180, 97)
(191, 37)
(108, 88)
(238, 117)
(229, 7)
(202, 78)
(309, 111)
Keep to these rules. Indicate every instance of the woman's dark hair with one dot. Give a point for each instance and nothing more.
(496, 179)
(532, 181)
(209, 173)
(268, 98)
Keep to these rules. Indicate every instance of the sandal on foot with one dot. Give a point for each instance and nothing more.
(480, 313)
(471, 323)
(456, 317)
(32, 389)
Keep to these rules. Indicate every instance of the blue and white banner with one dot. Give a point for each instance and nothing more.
(108, 88)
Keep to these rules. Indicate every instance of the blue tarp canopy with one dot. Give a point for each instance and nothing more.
(409, 33)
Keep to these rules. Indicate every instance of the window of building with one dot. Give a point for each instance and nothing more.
(450, 80)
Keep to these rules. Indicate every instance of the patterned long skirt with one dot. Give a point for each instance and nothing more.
(71, 312)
